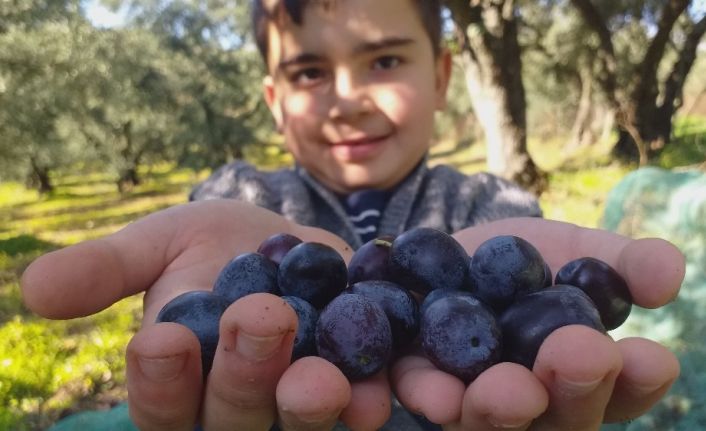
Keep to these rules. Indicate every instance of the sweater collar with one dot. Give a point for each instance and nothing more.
(396, 213)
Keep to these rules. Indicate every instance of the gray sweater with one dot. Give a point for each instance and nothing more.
(438, 197)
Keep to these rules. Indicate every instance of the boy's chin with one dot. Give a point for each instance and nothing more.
(353, 179)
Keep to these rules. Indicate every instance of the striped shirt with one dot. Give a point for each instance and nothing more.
(364, 209)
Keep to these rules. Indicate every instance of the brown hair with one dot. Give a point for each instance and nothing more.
(429, 12)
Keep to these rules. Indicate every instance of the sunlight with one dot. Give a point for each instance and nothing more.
(101, 16)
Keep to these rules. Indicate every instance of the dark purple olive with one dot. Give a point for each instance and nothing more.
(245, 274)
(399, 306)
(354, 334)
(606, 288)
(529, 320)
(441, 293)
(460, 336)
(424, 259)
(314, 272)
(307, 316)
(548, 278)
(370, 261)
(200, 311)
(276, 246)
(504, 268)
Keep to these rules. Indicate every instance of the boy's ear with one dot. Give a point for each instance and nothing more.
(268, 86)
(444, 66)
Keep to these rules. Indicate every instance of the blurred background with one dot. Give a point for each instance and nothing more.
(112, 109)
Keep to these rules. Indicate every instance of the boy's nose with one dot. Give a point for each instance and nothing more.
(349, 97)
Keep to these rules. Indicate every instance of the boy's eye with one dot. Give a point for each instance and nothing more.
(307, 76)
(386, 62)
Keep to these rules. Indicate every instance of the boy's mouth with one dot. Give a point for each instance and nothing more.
(358, 149)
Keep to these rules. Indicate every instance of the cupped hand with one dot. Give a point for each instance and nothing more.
(251, 383)
(581, 378)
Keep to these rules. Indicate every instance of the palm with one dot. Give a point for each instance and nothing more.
(184, 248)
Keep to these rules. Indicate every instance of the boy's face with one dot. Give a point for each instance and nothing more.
(354, 90)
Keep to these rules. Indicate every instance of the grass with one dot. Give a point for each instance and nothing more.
(52, 368)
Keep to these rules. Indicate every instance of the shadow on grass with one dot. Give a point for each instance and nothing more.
(161, 190)
(98, 220)
(25, 244)
(81, 182)
(19, 214)
(18, 211)
(16, 253)
(112, 199)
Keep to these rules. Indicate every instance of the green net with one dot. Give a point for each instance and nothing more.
(653, 202)
(115, 419)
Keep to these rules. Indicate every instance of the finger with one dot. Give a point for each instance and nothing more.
(425, 390)
(164, 378)
(649, 370)
(370, 404)
(653, 268)
(254, 349)
(102, 271)
(506, 396)
(311, 394)
(171, 251)
(578, 366)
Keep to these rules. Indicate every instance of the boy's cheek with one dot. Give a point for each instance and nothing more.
(301, 106)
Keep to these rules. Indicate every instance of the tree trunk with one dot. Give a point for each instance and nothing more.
(674, 84)
(128, 177)
(638, 111)
(39, 177)
(606, 122)
(582, 132)
(654, 119)
(493, 72)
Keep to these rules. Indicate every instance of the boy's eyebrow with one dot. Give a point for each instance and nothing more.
(299, 59)
(377, 45)
(365, 47)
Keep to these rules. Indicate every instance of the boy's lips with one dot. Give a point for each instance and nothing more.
(359, 149)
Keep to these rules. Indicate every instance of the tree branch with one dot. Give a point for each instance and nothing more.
(677, 77)
(646, 87)
(606, 55)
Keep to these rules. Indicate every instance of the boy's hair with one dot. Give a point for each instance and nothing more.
(429, 12)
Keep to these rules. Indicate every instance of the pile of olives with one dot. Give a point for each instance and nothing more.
(418, 292)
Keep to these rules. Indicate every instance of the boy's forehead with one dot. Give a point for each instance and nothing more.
(328, 20)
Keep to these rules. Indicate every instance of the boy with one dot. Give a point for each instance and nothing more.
(353, 86)
(355, 100)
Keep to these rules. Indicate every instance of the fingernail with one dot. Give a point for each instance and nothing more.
(572, 389)
(162, 369)
(499, 424)
(257, 348)
(645, 389)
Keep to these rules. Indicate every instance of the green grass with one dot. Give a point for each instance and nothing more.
(689, 143)
(51, 368)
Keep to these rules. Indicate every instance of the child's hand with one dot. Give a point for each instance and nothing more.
(581, 377)
(184, 248)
